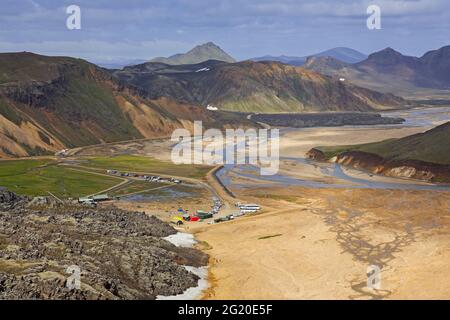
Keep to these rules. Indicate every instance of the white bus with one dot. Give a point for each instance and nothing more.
(245, 211)
(254, 207)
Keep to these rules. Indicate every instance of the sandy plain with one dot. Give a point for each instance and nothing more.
(313, 243)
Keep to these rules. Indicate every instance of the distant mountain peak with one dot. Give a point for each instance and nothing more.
(388, 52)
(209, 44)
(344, 54)
(198, 54)
(322, 63)
(389, 56)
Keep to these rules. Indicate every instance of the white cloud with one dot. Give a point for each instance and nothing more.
(349, 8)
(146, 28)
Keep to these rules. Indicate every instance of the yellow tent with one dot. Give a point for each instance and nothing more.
(177, 220)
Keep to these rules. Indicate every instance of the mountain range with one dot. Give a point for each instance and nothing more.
(248, 86)
(201, 53)
(51, 103)
(390, 71)
(343, 54)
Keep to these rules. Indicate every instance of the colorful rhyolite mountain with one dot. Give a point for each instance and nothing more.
(249, 86)
(51, 103)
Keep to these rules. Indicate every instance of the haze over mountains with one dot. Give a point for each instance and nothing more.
(390, 71)
(211, 51)
(343, 54)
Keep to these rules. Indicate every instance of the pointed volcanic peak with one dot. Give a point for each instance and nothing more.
(201, 53)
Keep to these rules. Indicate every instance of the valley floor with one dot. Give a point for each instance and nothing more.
(308, 242)
(317, 243)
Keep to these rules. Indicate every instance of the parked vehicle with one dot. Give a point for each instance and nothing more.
(249, 207)
(177, 221)
(204, 215)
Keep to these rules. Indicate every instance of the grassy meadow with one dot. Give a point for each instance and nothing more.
(38, 177)
(131, 163)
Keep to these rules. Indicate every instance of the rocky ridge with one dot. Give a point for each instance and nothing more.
(121, 254)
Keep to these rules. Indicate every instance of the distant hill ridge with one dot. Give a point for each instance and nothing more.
(343, 54)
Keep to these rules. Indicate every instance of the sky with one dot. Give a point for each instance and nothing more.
(117, 30)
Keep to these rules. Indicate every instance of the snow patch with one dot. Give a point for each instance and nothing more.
(203, 70)
(187, 240)
(211, 108)
(194, 292)
(181, 239)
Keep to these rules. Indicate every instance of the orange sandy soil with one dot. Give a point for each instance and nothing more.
(319, 243)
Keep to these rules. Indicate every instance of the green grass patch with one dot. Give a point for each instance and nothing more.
(38, 177)
(137, 186)
(382, 148)
(131, 163)
(9, 168)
